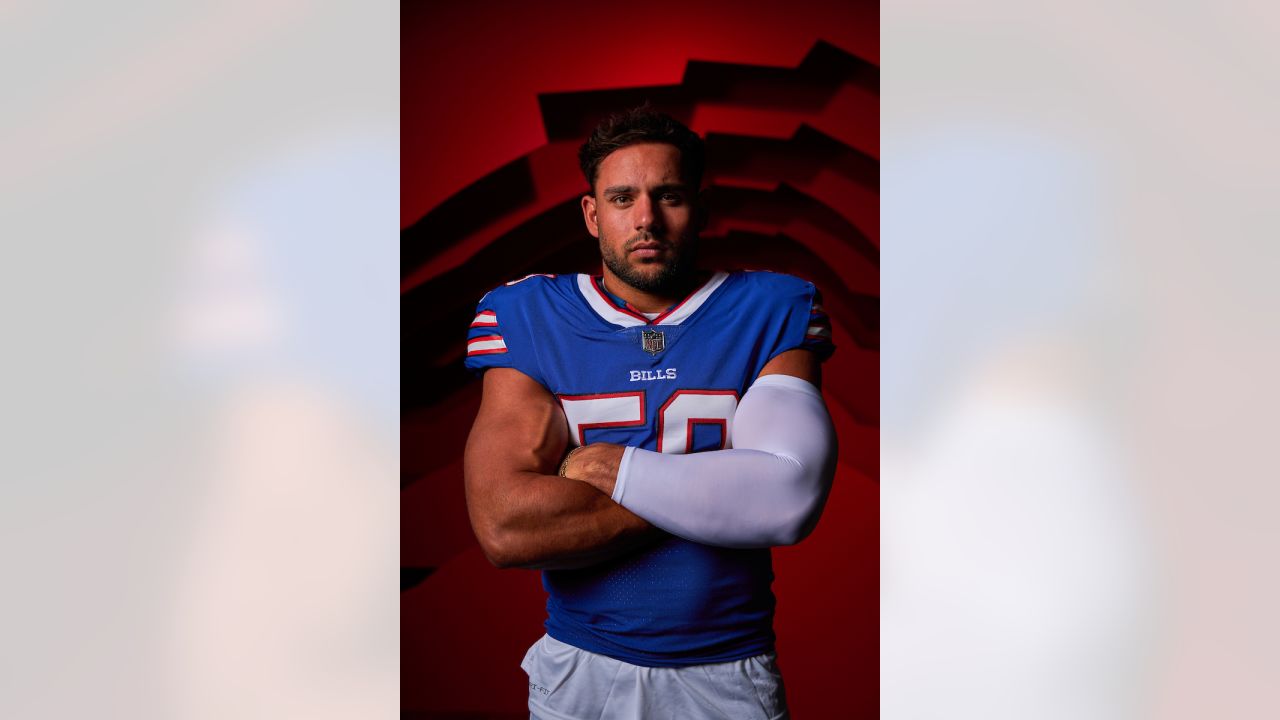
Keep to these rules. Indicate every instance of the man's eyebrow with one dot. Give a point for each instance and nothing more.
(628, 189)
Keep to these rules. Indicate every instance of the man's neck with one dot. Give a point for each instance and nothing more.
(649, 302)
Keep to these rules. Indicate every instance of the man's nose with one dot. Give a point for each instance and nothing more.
(646, 216)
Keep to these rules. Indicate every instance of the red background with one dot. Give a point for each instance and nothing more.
(495, 98)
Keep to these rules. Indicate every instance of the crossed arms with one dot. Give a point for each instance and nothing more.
(755, 495)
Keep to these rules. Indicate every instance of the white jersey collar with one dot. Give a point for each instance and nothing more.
(604, 306)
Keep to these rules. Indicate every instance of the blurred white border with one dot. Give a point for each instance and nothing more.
(1078, 317)
(200, 204)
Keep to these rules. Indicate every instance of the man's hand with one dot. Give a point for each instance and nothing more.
(596, 465)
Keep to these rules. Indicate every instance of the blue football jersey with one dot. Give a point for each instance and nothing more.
(670, 384)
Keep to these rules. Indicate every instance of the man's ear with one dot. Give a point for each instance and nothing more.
(589, 214)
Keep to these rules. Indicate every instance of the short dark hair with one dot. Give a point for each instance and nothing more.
(642, 125)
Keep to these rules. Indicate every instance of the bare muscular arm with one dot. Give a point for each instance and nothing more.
(523, 514)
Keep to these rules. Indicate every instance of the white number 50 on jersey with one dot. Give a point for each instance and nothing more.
(676, 418)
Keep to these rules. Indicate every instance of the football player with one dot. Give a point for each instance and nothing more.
(698, 439)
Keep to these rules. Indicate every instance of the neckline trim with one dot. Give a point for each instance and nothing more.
(604, 306)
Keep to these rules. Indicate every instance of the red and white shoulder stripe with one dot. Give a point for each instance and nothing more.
(486, 318)
(490, 344)
(486, 345)
(819, 324)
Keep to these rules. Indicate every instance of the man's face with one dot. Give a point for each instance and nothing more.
(645, 217)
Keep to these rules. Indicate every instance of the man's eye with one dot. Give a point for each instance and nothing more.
(620, 199)
(671, 198)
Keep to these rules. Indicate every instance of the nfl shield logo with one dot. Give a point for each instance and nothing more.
(652, 341)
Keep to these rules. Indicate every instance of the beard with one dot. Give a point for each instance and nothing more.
(661, 277)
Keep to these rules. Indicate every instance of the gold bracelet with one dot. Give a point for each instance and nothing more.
(565, 464)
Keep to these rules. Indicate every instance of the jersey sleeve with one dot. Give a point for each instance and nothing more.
(499, 335)
(486, 348)
(804, 321)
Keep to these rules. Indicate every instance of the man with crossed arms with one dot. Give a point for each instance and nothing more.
(699, 437)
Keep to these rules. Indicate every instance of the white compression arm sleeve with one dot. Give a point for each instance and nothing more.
(768, 490)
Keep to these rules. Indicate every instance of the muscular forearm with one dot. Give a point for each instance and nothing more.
(545, 521)
(523, 514)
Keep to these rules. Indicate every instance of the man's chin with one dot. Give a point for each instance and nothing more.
(655, 277)
(652, 272)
